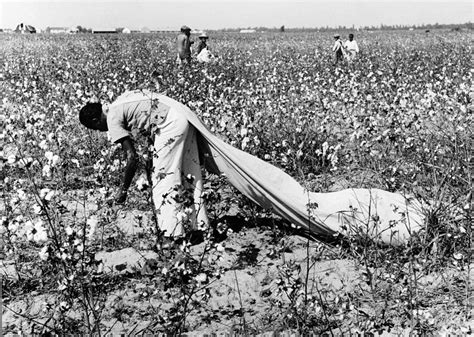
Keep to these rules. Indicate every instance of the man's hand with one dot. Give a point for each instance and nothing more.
(120, 197)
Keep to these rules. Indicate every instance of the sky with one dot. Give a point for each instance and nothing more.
(218, 14)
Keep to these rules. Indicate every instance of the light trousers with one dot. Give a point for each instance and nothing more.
(176, 157)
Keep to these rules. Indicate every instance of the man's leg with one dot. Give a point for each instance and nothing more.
(166, 175)
(191, 165)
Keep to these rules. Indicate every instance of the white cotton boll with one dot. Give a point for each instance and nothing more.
(142, 183)
(40, 235)
(325, 148)
(54, 160)
(43, 144)
(14, 201)
(43, 192)
(202, 277)
(76, 162)
(35, 232)
(49, 155)
(29, 230)
(69, 231)
(245, 142)
(21, 194)
(181, 216)
(92, 226)
(77, 242)
(11, 159)
(49, 195)
(44, 253)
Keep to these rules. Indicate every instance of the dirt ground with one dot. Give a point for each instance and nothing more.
(252, 281)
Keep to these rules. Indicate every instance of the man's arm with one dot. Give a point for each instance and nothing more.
(130, 168)
(181, 43)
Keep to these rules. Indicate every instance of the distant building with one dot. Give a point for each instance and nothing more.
(57, 30)
(248, 31)
(126, 31)
(105, 31)
(145, 30)
(25, 29)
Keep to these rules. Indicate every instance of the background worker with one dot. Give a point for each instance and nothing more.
(351, 48)
(184, 45)
(202, 43)
(338, 48)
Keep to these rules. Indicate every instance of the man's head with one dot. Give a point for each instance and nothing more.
(186, 30)
(92, 117)
(203, 36)
(336, 36)
(351, 37)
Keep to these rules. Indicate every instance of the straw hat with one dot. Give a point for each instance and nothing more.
(203, 36)
(337, 35)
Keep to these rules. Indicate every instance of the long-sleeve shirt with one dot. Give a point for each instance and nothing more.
(337, 46)
(351, 46)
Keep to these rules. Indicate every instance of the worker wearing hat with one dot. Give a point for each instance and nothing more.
(184, 45)
(338, 48)
(202, 42)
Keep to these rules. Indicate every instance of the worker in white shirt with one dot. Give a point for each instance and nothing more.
(351, 48)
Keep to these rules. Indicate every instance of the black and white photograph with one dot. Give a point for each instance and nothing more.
(236, 168)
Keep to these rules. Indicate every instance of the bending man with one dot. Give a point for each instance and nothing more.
(182, 142)
(175, 159)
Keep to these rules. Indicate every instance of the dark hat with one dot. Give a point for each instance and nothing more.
(185, 28)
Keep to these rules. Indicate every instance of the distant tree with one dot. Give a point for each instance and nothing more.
(282, 29)
(81, 29)
(119, 29)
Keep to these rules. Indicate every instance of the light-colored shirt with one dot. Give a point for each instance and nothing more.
(135, 110)
(337, 45)
(351, 46)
